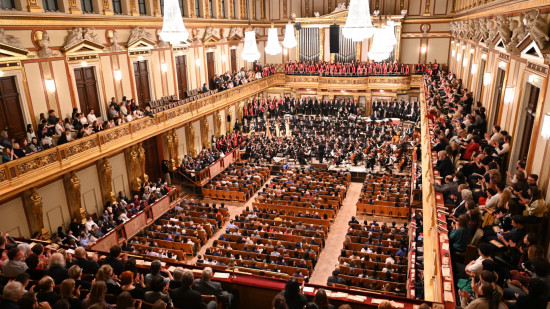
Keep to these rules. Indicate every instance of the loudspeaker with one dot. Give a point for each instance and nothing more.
(298, 26)
(334, 39)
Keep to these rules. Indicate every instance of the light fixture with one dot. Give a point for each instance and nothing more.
(140, 58)
(308, 89)
(290, 38)
(502, 65)
(358, 24)
(458, 57)
(273, 47)
(533, 79)
(224, 58)
(424, 48)
(486, 78)
(508, 95)
(250, 51)
(198, 62)
(484, 56)
(382, 90)
(173, 29)
(378, 52)
(452, 42)
(233, 47)
(285, 51)
(474, 68)
(453, 53)
(472, 50)
(545, 132)
(118, 75)
(163, 67)
(180, 53)
(464, 62)
(1, 73)
(457, 44)
(50, 85)
(463, 47)
(389, 35)
(84, 63)
(342, 90)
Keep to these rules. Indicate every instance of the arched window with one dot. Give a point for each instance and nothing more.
(117, 7)
(50, 5)
(87, 6)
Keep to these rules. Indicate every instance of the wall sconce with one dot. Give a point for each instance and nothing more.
(486, 79)
(545, 132)
(224, 58)
(198, 62)
(452, 42)
(118, 75)
(508, 95)
(453, 53)
(163, 67)
(464, 62)
(84, 63)
(180, 53)
(458, 57)
(381, 90)
(463, 47)
(50, 85)
(233, 47)
(502, 65)
(533, 79)
(209, 50)
(472, 50)
(474, 68)
(423, 49)
(1, 73)
(457, 44)
(484, 56)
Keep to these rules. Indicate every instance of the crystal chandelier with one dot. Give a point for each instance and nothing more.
(273, 47)
(250, 49)
(359, 24)
(379, 52)
(290, 38)
(389, 35)
(173, 29)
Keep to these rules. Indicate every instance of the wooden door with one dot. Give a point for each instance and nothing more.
(211, 69)
(86, 87)
(234, 67)
(181, 73)
(152, 161)
(528, 122)
(141, 74)
(480, 74)
(11, 114)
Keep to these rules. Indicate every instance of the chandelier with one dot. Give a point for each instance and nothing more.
(379, 52)
(250, 49)
(359, 24)
(173, 29)
(290, 38)
(273, 47)
(389, 35)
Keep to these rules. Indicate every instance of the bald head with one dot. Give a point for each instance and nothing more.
(80, 253)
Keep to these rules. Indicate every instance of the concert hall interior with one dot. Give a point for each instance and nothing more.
(282, 154)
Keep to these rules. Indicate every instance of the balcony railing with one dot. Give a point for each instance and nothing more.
(15, 176)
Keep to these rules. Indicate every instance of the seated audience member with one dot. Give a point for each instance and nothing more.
(185, 297)
(158, 291)
(321, 300)
(207, 287)
(136, 287)
(71, 294)
(11, 294)
(294, 299)
(97, 296)
(56, 268)
(46, 291)
(15, 263)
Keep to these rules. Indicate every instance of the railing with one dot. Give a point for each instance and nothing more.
(355, 83)
(203, 177)
(438, 276)
(15, 176)
(131, 227)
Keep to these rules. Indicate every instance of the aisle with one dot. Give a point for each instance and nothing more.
(335, 241)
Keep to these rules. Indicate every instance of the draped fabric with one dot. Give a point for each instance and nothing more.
(348, 49)
(309, 44)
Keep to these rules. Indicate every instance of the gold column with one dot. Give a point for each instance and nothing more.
(358, 51)
(177, 157)
(191, 140)
(262, 10)
(204, 132)
(107, 7)
(243, 9)
(156, 8)
(253, 9)
(73, 7)
(106, 180)
(398, 44)
(218, 124)
(321, 43)
(285, 9)
(230, 8)
(191, 8)
(33, 6)
(220, 4)
(206, 6)
(427, 8)
(134, 11)
(72, 187)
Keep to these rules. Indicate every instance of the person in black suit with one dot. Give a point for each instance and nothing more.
(185, 297)
(207, 287)
(294, 299)
(444, 164)
(88, 266)
(113, 260)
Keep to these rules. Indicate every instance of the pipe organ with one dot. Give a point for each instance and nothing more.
(309, 47)
(348, 49)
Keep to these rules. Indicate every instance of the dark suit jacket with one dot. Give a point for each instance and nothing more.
(211, 288)
(117, 265)
(187, 298)
(445, 167)
(88, 266)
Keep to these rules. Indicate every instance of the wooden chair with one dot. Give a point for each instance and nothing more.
(208, 298)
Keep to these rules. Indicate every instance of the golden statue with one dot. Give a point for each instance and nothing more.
(36, 204)
(107, 178)
(135, 167)
(205, 129)
(219, 123)
(230, 128)
(177, 158)
(170, 145)
(192, 149)
(75, 188)
(142, 162)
